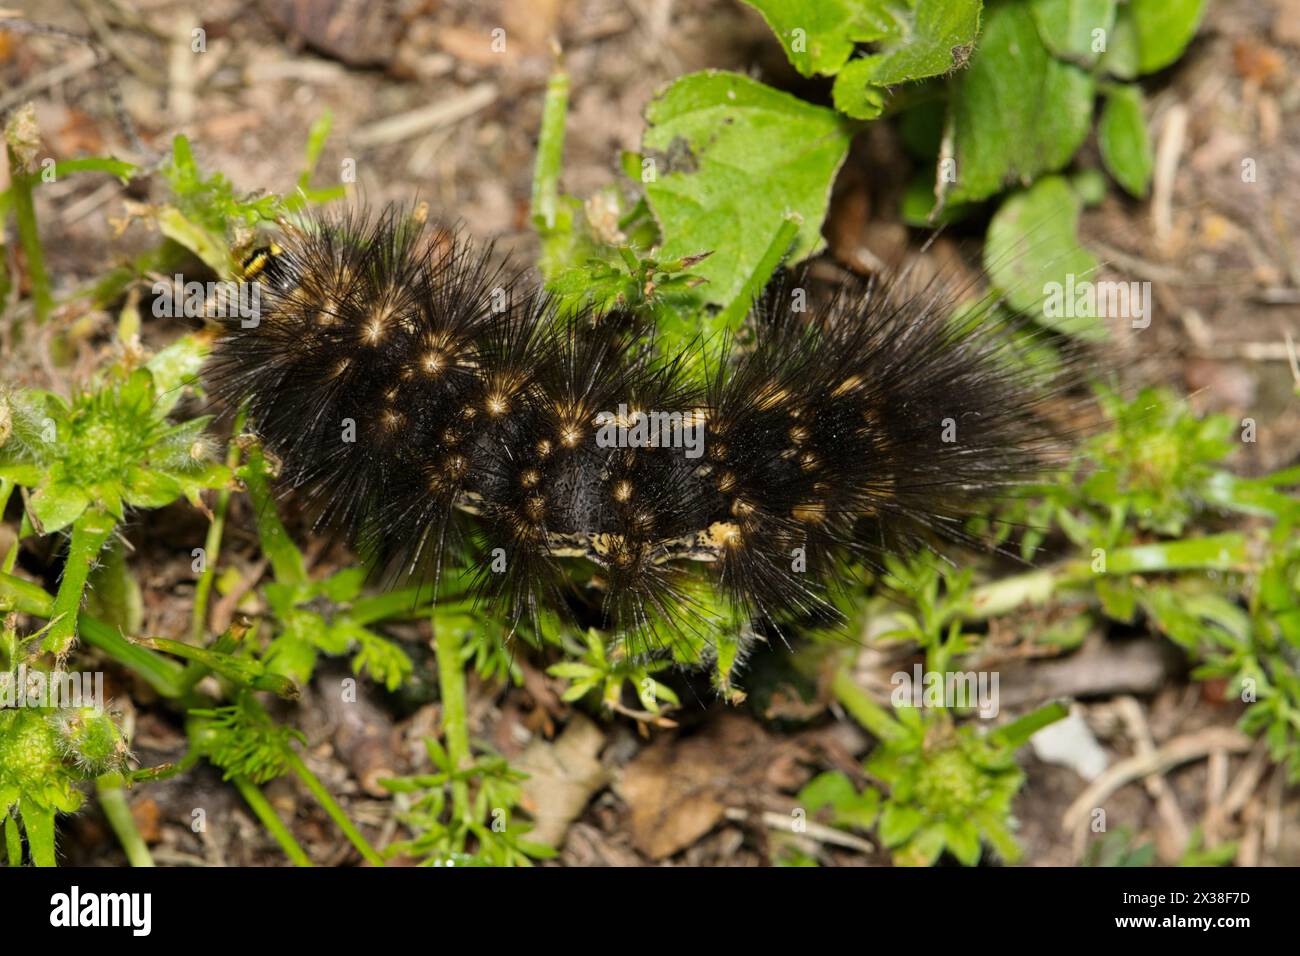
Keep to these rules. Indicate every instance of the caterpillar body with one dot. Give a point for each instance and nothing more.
(428, 403)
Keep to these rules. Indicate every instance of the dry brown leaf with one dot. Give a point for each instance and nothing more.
(562, 777)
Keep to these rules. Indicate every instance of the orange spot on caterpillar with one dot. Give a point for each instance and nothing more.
(530, 478)
(725, 534)
(810, 512)
(623, 492)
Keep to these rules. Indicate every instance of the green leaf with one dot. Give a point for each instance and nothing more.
(96, 164)
(57, 505)
(1121, 57)
(176, 226)
(175, 367)
(1164, 28)
(1017, 112)
(1032, 254)
(932, 38)
(963, 840)
(1068, 27)
(38, 822)
(735, 158)
(818, 35)
(1122, 135)
(898, 823)
(149, 489)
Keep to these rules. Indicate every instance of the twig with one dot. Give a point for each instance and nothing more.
(817, 831)
(1170, 813)
(402, 126)
(1178, 751)
(1168, 153)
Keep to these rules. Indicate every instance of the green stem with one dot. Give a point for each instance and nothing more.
(455, 723)
(29, 238)
(286, 560)
(550, 152)
(162, 674)
(89, 532)
(331, 807)
(862, 708)
(212, 550)
(1220, 552)
(265, 813)
(735, 312)
(112, 798)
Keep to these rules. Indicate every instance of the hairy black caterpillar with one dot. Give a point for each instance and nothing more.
(423, 400)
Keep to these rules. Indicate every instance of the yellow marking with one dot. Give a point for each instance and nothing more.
(850, 384)
(530, 478)
(740, 508)
(544, 447)
(623, 492)
(770, 396)
(725, 534)
(535, 507)
(570, 435)
(810, 512)
(726, 482)
(378, 325)
(799, 434)
(808, 461)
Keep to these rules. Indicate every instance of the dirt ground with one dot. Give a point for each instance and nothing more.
(423, 106)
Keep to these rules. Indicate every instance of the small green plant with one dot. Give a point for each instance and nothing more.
(457, 804)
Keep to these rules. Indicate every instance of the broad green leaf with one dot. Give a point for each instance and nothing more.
(818, 35)
(1032, 250)
(1018, 111)
(38, 822)
(898, 823)
(1121, 57)
(1122, 135)
(146, 488)
(963, 840)
(1075, 30)
(1164, 28)
(933, 38)
(735, 159)
(57, 505)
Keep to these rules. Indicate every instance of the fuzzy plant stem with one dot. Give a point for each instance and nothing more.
(29, 238)
(161, 673)
(6, 490)
(550, 153)
(455, 724)
(212, 547)
(112, 798)
(265, 813)
(89, 533)
(861, 707)
(330, 805)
